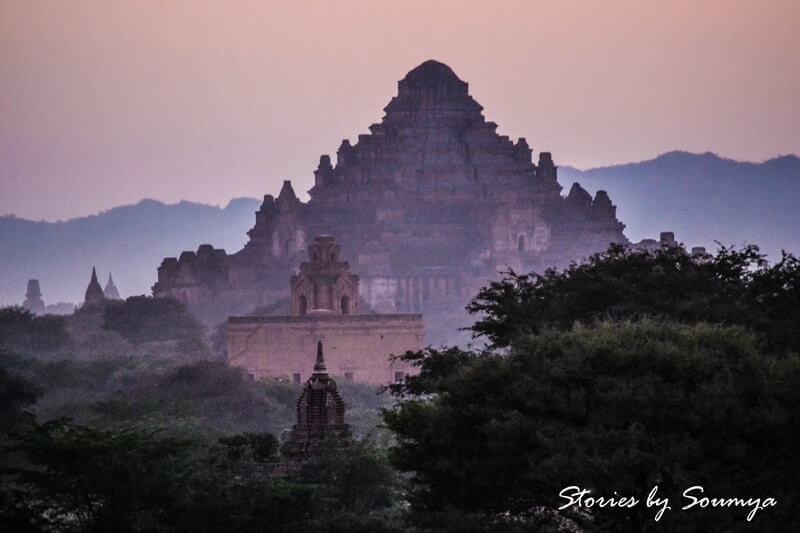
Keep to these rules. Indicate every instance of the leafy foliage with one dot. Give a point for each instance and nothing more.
(355, 480)
(83, 479)
(22, 331)
(16, 393)
(732, 287)
(147, 319)
(204, 400)
(617, 407)
(75, 478)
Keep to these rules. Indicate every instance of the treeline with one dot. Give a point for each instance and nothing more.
(121, 417)
(631, 370)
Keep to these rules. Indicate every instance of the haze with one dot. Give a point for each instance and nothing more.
(104, 103)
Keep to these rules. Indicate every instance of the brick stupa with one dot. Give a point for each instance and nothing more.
(320, 415)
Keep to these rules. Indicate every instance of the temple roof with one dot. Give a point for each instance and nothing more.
(111, 292)
(319, 366)
(94, 293)
(433, 75)
(432, 87)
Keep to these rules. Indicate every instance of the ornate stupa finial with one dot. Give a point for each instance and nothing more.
(319, 366)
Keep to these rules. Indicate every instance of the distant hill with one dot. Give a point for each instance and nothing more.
(130, 241)
(703, 198)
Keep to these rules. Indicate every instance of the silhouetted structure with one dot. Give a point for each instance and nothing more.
(430, 204)
(33, 298)
(320, 415)
(111, 292)
(94, 293)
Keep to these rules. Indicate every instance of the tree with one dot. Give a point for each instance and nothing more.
(147, 319)
(76, 478)
(356, 479)
(616, 407)
(15, 394)
(732, 287)
(25, 332)
(81, 478)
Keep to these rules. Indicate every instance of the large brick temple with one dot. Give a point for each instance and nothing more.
(429, 205)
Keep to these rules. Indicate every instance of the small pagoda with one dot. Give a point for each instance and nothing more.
(320, 415)
(111, 292)
(94, 293)
(33, 298)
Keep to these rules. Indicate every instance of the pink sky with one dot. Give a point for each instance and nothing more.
(106, 102)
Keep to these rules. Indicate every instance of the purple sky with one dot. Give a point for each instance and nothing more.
(106, 102)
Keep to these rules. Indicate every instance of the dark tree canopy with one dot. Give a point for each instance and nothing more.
(616, 407)
(74, 478)
(146, 319)
(22, 331)
(16, 393)
(731, 287)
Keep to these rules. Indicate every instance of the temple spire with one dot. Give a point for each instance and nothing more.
(33, 298)
(94, 293)
(111, 292)
(320, 416)
(319, 366)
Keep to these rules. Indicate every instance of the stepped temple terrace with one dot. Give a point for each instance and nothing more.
(429, 205)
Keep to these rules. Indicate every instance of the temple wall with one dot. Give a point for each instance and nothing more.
(357, 347)
(386, 294)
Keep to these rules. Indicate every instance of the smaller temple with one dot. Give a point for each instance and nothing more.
(94, 293)
(324, 284)
(320, 415)
(33, 298)
(111, 292)
(325, 307)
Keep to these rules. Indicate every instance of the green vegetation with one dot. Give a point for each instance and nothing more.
(120, 418)
(74, 478)
(146, 319)
(732, 287)
(22, 331)
(617, 407)
(631, 370)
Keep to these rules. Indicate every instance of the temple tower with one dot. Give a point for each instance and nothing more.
(324, 284)
(94, 293)
(111, 292)
(33, 298)
(320, 415)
